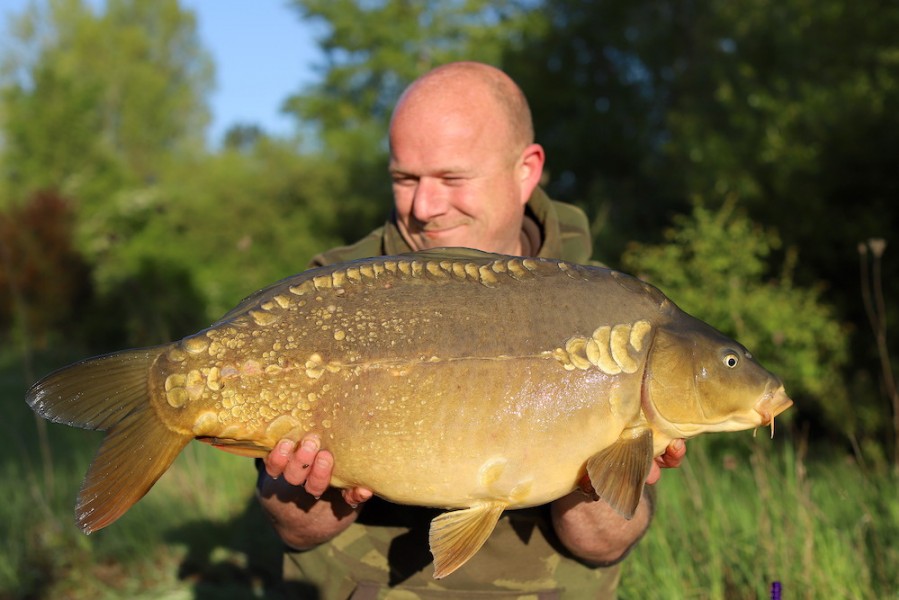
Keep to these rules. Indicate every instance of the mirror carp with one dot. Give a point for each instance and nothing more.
(437, 378)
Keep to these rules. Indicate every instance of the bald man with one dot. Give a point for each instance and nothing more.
(465, 172)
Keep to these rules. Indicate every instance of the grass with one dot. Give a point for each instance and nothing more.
(199, 533)
(741, 513)
(198, 530)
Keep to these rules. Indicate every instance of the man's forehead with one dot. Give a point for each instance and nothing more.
(439, 156)
(449, 142)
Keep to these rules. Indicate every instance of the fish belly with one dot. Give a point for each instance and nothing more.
(451, 433)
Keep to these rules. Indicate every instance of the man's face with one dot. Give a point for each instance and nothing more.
(456, 181)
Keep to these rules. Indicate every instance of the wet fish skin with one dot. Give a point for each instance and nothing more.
(407, 365)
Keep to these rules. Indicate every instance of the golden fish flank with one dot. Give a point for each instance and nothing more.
(397, 362)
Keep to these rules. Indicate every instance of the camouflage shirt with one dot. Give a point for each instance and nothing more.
(559, 231)
(385, 553)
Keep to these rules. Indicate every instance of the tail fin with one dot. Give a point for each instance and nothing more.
(110, 393)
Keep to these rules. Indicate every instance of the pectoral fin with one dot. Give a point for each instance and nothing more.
(619, 472)
(456, 535)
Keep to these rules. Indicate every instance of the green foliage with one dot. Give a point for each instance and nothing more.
(373, 50)
(110, 106)
(95, 105)
(598, 77)
(794, 108)
(233, 223)
(790, 105)
(98, 103)
(713, 265)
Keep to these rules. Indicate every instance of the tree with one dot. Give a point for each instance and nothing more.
(791, 108)
(234, 222)
(94, 103)
(42, 278)
(598, 79)
(794, 108)
(96, 106)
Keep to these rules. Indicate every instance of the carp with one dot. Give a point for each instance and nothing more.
(436, 378)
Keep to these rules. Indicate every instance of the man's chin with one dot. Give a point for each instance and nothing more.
(443, 239)
(458, 236)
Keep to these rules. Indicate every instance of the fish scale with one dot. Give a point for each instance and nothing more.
(406, 364)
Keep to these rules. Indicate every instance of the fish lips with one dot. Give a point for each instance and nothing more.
(772, 404)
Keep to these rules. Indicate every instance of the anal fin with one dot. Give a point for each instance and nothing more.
(457, 535)
(238, 447)
(619, 472)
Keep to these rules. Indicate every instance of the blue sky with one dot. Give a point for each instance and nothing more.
(263, 52)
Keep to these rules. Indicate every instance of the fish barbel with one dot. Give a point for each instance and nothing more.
(406, 364)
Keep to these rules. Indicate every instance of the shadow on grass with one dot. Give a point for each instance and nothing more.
(240, 558)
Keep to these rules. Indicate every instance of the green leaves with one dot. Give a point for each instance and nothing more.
(96, 101)
(713, 264)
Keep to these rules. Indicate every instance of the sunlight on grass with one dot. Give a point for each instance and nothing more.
(199, 526)
(734, 519)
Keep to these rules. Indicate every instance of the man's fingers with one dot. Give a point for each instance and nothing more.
(278, 458)
(320, 474)
(672, 458)
(356, 496)
(299, 461)
(307, 450)
(673, 455)
(308, 465)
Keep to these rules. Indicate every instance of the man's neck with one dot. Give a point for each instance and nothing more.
(530, 241)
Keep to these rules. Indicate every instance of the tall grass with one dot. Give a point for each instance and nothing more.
(198, 528)
(198, 533)
(740, 514)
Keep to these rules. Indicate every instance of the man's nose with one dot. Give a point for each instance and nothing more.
(429, 200)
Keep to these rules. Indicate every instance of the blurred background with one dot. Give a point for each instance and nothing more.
(160, 160)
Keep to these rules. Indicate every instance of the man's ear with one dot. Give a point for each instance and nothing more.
(531, 169)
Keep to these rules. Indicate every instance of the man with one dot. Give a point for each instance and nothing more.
(465, 172)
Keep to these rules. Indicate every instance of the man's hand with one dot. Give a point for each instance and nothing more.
(672, 457)
(304, 510)
(306, 464)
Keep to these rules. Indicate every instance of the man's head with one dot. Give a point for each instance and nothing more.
(463, 159)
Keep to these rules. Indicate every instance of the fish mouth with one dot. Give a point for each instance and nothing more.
(771, 405)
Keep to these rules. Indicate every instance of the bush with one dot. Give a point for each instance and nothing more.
(714, 265)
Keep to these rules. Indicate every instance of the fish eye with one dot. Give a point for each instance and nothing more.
(731, 360)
